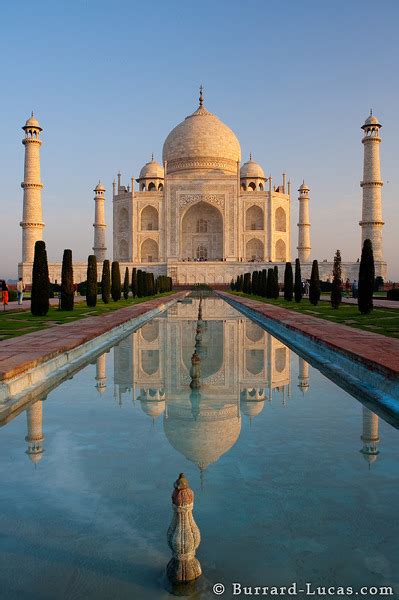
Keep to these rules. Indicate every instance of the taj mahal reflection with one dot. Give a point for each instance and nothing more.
(202, 373)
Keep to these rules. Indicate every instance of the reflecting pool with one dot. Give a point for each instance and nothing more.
(295, 480)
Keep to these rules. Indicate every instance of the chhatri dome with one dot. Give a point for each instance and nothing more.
(201, 141)
(32, 122)
(152, 170)
(251, 169)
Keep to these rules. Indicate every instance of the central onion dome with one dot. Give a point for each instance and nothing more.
(201, 141)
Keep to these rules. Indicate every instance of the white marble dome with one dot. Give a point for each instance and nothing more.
(152, 170)
(201, 141)
(32, 122)
(252, 170)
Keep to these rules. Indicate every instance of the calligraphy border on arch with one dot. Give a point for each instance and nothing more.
(185, 199)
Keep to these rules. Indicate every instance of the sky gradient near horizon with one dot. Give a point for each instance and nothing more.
(294, 80)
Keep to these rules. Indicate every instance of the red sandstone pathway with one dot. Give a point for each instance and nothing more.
(14, 306)
(25, 352)
(375, 350)
(377, 303)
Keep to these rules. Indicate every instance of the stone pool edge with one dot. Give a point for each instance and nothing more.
(46, 366)
(376, 381)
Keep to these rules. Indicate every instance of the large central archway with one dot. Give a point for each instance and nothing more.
(202, 233)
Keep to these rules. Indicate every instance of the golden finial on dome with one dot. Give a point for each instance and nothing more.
(201, 98)
(152, 156)
(250, 156)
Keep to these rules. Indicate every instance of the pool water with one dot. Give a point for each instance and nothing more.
(294, 479)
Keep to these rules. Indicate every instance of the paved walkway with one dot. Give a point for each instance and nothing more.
(27, 351)
(375, 350)
(376, 302)
(14, 306)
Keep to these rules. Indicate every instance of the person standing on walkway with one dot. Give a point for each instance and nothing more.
(4, 294)
(354, 289)
(20, 290)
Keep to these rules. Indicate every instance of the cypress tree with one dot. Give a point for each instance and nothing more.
(91, 288)
(126, 284)
(246, 286)
(314, 287)
(263, 283)
(150, 285)
(336, 294)
(139, 287)
(232, 285)
(39, 304)
(254, 282)
(106, 283)
(270, 283)
(298, 281)
(144, 283)
(134, 282)
(67, 288)
(366, 279)
(116, 292)
(288, 282)
(276, 290)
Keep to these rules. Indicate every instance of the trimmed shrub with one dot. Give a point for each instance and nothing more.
(314, 287)
(378, 283)
(67, 287)
(366, 279)
(336, 293)
(393, 294)
(116, 290)
(126, 284)
(106, 283)
(40, 282)
(298, 281)
(288, 282)
(91, 286)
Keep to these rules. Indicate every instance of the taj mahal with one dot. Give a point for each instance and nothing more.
(202, 216)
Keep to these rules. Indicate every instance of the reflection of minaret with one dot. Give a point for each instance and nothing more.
(370, 437)
(35, 435)
(303, 375)
(101, 373)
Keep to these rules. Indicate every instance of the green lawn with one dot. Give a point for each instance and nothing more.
(382, 320)
(15, 323)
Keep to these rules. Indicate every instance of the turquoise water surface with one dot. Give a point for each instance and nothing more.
(294, 479)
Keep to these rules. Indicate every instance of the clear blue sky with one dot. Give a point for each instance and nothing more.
(108, 80)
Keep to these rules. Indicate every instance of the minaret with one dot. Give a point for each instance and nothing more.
(303, 224)
(370, 437)
(35, 437)
(101, 373)
(303, 375)
(32, 220)
(372, 222)
(99, 225)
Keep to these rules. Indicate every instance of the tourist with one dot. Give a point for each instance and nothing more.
(307, 287)
(354, 289)
(4, 294)
(20, 290)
